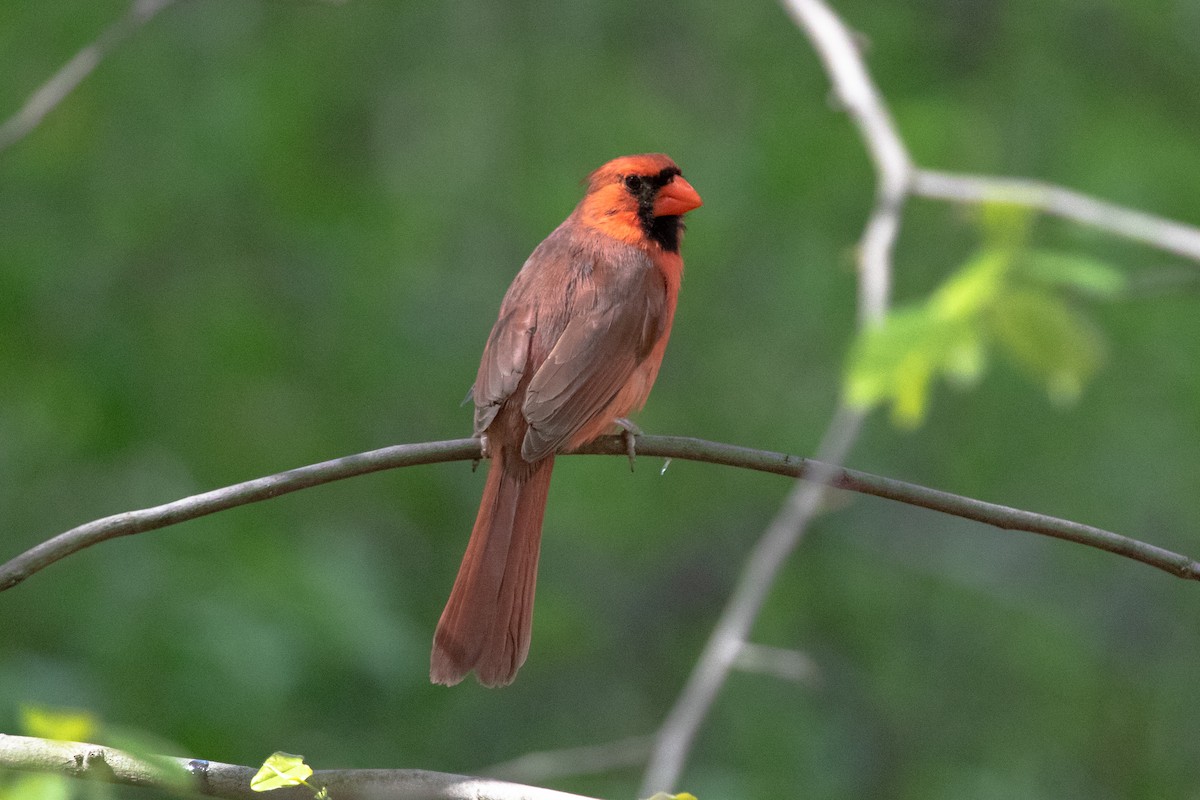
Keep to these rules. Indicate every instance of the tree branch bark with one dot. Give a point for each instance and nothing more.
(676, 447)
(231, 781)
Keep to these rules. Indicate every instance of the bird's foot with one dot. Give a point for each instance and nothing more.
(629, 431)
(485, 451)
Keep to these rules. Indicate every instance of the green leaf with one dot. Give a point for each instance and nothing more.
(966, 359)
(38, 786)
(910, 395)
(1069, 270)
(877, 352)
(1049, 340)
(1005, 226)
(897, 361)
(61, 725)
(281, 769)
(974, 287)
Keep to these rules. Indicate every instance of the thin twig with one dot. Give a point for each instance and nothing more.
(1165, 234)
(549, 765)
(48, 96)
(231, 781)
(780, 662)
(674, 447)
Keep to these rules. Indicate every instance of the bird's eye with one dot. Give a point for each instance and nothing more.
(633, 183)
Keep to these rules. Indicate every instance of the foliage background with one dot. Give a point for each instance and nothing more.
(264, 234)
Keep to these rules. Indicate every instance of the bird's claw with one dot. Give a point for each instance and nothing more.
(629, 432)
(485, 451)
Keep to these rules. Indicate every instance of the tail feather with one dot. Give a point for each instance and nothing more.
(487, 620)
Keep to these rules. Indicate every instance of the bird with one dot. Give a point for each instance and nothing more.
(576, 347)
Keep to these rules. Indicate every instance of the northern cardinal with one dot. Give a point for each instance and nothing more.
(577, 346)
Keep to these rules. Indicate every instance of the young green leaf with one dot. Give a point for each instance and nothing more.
(279, 770)
(1086, 275)
(898, 360)
(67, 726)
(1049, 340)
(974, 287)
(1005, 226)
(38, 786)
(878, 352)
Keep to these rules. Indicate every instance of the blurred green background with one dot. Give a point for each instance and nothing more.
(265, 234)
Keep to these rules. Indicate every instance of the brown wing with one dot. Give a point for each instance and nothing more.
(505, 359)
(615, 314)
(541, 285)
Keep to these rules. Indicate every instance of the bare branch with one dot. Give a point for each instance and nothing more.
(149, 519)
(896, 177)
(1165, 234)
(54, 91)
(212, 778)
(549, 765)
(732, 630)
(858, 95)
(790, 665)
(835, 45)
(674, 447)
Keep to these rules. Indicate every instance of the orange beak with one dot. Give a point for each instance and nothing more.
(676, 198)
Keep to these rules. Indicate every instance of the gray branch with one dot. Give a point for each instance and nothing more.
(683, 448)
(231, 781)
(1164, 234)
(51, 93)
(852, 84)
(896, 179)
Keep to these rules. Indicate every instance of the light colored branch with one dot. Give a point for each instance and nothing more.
(214, 779)
(835, 45)
(549, 765)
(1164, 234)
(789, 665)
(54, 91)
(896, 178)
(732, 630)
(815, 472)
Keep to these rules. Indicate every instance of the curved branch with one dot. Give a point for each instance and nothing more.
(406, 455)
(148, 519)
(212, 778)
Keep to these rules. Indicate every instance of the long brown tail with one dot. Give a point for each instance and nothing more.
(487, 620)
